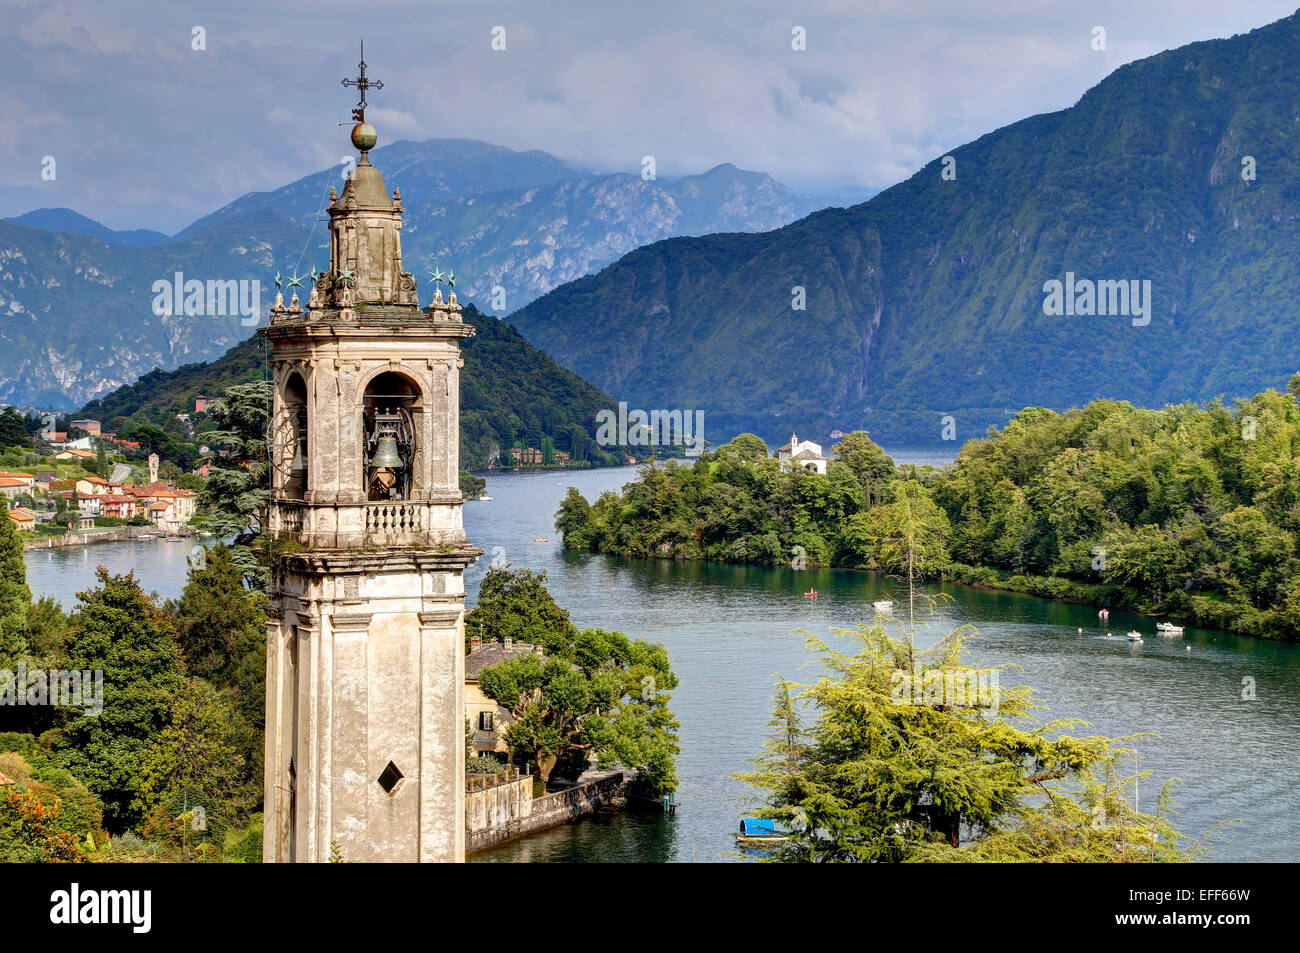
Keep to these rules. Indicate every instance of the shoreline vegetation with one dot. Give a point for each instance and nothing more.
(1190, 513)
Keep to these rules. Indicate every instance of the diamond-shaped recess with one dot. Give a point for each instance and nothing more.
(390, 779)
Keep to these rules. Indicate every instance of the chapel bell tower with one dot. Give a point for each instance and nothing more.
(365, 723)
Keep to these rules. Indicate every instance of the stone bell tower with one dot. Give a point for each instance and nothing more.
(365, 723)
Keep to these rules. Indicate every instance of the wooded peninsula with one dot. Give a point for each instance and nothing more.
(1191, 512)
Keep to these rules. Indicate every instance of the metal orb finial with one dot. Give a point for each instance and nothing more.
(364, 136)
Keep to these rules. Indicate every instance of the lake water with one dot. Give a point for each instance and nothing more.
(730, 630)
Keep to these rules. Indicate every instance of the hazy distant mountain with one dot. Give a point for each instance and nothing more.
(929, 299)
(78, 317)
(66, 220)
(526, 222)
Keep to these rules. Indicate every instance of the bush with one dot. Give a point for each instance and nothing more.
(245, 847)
(484, 764)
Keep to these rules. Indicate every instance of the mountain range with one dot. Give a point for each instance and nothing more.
(930, 308)
(76, 297)
(66, 220)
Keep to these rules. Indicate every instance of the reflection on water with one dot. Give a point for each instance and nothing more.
(731, 630)
(159, 565)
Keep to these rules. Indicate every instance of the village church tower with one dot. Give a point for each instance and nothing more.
(365, 725)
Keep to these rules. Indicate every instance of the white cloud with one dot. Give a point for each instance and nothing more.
(153, 134)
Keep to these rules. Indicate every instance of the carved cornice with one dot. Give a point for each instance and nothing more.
(350, 621)
(449, 616)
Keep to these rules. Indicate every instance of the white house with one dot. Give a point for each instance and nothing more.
(803, 453)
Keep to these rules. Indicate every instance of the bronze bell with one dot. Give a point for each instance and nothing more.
(386, 454)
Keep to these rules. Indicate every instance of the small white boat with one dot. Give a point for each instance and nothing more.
(1104, 614)
(1168, 628)
(884, 605)
(1135, 636)
(483, 498)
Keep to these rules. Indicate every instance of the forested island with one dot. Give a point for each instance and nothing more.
(1190, 512)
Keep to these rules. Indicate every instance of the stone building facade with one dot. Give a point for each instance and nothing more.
(365, 725)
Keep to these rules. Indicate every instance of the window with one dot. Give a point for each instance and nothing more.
(485, 721)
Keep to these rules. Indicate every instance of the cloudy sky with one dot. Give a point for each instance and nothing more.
(148, 132)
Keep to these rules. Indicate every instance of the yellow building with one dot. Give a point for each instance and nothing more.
(487, 719)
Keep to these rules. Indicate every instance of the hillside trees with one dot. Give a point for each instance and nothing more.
(1191, 511)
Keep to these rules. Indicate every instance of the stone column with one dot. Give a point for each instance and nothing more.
(349, 740)
(442, 744)
(278, 795)
(308, 787)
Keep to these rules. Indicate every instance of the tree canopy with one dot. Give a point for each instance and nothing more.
(596, 694)
(938, 773)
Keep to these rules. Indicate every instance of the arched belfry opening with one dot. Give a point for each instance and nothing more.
(391, 413)
(294, 434)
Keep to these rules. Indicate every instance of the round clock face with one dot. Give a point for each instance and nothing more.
(284, 440)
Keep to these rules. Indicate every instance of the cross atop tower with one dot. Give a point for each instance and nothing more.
(361, 83)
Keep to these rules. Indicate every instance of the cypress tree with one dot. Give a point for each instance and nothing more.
(15, 596)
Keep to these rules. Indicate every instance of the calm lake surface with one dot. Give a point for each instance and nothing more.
(730, 630)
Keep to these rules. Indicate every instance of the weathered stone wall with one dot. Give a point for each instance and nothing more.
(495, 809)
(86, 539)
(511, 814)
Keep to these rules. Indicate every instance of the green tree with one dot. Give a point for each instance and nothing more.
(195, 759)
(573, 520)
(906, 536)
(218, 622)
(238, 485)
(601, 695)
(898, 766)
(516, 604)
(746, 446)
(15, 596)
(47, 624)
(118, 630)
(12, 431)
(866, 460)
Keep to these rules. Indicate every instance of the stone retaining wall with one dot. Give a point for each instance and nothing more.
(115, 535)
(506, 811)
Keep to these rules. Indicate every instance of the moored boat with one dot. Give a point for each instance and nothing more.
(757, 830)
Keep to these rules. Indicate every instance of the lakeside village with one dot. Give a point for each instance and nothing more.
(82, 484)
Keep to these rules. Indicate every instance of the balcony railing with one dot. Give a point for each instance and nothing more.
(386, 523)
(288, 518)
(396, 519)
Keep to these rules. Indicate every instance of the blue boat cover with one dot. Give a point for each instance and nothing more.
(758, 827)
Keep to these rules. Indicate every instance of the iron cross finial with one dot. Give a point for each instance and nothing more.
(361, 83)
